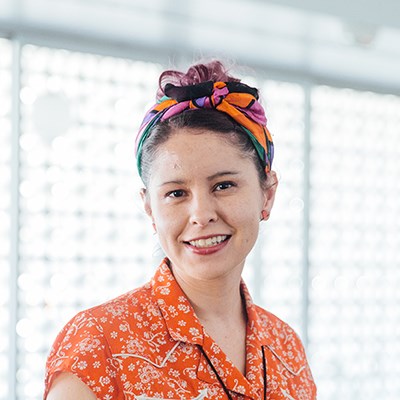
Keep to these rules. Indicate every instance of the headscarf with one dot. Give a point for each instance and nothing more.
(235, 99)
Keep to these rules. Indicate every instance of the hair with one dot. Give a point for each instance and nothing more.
(199, 120)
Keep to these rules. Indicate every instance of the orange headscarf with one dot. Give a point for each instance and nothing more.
(236, 99)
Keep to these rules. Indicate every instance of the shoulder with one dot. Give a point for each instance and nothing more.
(101, 328)
(137, 300)
(87, 345)
(282, 340)
(273, 324)
(123, 314)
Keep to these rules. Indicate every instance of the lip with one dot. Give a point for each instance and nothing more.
(207, 250)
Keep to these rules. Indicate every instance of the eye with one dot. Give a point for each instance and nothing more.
(224, 186)
(175, 193)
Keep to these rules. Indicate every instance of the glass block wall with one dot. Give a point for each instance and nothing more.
(5, 211)
(354, 244)
(282, 257)
(84, 237)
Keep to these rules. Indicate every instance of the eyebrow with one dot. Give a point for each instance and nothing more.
(221, 174)
(209, 178)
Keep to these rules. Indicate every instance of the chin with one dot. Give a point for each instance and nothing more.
(212, 267)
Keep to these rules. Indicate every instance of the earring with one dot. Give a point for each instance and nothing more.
(264, 215)
(154, 227)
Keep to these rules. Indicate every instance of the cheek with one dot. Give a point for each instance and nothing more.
(244, 218)
(247, 210)
(247, 219)
(168, 221)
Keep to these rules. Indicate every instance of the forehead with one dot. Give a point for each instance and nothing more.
(189, 155)
(195, 149)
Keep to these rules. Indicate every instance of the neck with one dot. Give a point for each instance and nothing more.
(214, 300)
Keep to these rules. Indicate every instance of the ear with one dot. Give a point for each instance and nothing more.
(146, 202)
(269, 191)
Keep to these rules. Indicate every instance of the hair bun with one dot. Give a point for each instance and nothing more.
(212, 71)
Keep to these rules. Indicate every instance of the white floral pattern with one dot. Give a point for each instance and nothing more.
(148, 343)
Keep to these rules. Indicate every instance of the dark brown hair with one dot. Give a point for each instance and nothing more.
(199, 120)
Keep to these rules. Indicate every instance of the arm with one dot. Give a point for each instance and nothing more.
(67, 386)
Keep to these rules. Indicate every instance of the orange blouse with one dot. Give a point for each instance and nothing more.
(149, 344)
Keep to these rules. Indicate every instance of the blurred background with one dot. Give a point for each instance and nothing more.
(75, 79)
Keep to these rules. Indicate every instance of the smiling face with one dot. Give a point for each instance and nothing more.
(205, 199)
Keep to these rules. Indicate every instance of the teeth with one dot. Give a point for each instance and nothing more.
(212, 241)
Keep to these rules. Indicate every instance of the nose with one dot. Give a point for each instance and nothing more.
(203, 209)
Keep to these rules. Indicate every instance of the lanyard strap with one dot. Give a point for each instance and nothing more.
(222, 383)
(264, 372)
(216, 373)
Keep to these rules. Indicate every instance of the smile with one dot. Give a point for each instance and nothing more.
(209, 242)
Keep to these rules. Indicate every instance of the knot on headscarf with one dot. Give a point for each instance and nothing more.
(235, 99)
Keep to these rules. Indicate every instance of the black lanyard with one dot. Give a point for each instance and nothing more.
(264, 372)
(221, 381)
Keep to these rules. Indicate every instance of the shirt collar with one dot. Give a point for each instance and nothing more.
(183, 325)
(280, 341)
(181, 320)
(263, 329)
(257, 332)
(178, 313)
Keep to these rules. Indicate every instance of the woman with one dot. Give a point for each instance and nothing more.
(204, 154)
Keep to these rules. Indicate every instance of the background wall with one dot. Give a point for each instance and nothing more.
(75, 79)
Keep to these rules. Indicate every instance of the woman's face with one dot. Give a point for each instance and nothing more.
(205, 199)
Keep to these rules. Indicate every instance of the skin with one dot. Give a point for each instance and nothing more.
(201, 185)
(67, 386)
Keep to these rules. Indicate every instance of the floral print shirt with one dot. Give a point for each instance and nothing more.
(149, 344)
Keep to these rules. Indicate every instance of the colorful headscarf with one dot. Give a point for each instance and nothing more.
(236, 99)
